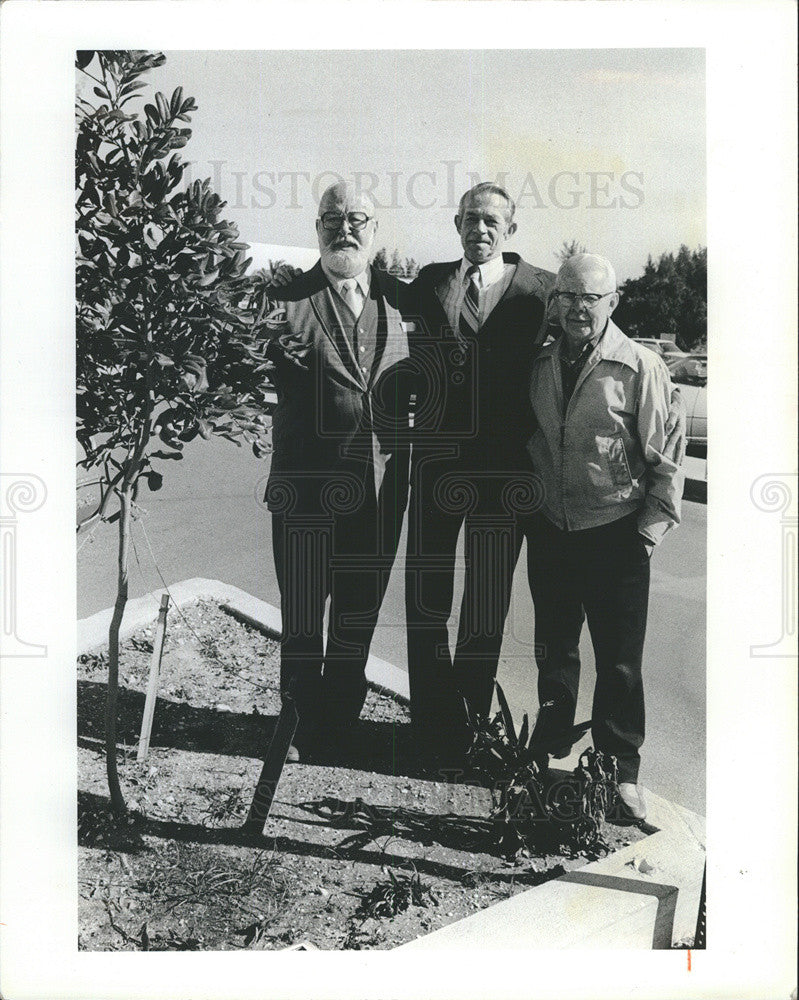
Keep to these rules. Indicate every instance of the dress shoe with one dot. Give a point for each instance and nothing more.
(631, 800)
(305, 742)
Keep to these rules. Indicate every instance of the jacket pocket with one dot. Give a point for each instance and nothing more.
(615, 455)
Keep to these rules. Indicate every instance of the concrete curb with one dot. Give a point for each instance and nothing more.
(643, 896)
(93, 631)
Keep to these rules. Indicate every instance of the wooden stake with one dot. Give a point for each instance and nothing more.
(152, 682)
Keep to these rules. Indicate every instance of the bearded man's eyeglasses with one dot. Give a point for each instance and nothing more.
(334, 220)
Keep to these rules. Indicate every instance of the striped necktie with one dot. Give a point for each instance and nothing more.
(469, 321)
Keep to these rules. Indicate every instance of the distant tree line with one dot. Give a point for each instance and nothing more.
(400, 267)
(670, 298)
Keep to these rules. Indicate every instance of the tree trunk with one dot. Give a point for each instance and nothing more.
(117, 799)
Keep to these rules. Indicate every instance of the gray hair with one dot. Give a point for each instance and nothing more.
(488, 187)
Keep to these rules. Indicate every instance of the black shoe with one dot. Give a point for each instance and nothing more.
(304, 744)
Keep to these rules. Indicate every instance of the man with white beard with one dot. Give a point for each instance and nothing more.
(339, 478)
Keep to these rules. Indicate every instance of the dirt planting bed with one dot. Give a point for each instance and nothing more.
(363, 848)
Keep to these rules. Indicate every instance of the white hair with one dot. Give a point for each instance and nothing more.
(588, 261)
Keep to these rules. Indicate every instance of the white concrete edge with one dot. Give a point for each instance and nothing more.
(567, 913)
(680, 833)
(141, 611)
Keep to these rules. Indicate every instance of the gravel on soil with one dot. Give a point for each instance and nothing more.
(349, 840)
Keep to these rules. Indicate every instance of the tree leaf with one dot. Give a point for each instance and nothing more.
(163, 107)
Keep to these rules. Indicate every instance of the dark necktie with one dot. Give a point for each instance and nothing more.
(470, 309)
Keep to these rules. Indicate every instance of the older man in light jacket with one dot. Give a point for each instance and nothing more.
(612, 491)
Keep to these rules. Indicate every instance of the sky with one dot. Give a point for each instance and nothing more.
(605, 146)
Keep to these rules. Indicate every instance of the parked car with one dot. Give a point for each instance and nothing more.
(690, 374)
(671, 352)
(667, 349)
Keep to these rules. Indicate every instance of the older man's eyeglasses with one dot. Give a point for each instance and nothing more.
(584, 298)
(335, 220)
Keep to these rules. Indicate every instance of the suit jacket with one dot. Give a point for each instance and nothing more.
(332, 424)
(479, 397)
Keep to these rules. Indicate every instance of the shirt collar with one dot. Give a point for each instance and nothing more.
(585, 351)
(613, 345)
(489, 272)
(336, 281)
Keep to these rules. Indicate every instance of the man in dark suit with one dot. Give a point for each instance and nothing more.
(339, 477)
(482, 321)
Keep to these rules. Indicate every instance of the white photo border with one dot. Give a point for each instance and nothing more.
(751, 111)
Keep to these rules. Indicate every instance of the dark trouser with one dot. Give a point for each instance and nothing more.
(443, 499)
(344, 556)
(602, 574)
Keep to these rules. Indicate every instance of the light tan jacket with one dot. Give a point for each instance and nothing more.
(604, 458)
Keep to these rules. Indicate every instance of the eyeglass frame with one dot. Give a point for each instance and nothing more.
(586, 298)
(357, 221)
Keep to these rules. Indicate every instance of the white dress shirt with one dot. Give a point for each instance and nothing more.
(493, 279)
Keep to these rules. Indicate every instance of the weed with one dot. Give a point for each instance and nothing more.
(210, 649)
(527, 811)
(93, 661)
(203, 878)
(223, 807)
(394, 894)
(140, 645)
(597, 780)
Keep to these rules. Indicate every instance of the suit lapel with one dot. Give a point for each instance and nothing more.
(525, 281)
(392, 340)
(430, 304)
(380, 339)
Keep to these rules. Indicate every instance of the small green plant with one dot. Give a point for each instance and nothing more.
(395, 894)
(223, 808)
(528, 812)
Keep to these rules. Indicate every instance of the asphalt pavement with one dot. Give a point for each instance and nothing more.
(209, 520)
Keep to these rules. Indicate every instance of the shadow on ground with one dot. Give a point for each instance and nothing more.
(382, 747)
(97, 827)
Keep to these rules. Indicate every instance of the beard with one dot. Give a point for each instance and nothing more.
(346, 262)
